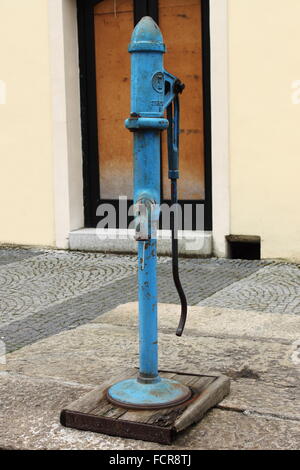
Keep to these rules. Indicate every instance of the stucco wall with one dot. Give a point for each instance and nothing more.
(264, 51)
(38, 205)
(26, 168)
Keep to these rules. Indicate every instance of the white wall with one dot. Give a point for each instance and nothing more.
(41, 190)
(26, 166)
(255, 188)
(264, 38)
(220, 125)
(67, 153)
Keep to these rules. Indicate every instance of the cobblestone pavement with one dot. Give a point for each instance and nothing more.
(45, 292)
(272, 289)
(11, 255)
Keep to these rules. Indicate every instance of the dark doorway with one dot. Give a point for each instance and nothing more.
(104, 29)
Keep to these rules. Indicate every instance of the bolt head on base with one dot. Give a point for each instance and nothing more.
(133, 394)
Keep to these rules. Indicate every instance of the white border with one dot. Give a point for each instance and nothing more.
(68, 185)
(220, 124)
(68, 180)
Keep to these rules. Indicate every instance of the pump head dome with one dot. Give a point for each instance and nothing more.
(146, 36)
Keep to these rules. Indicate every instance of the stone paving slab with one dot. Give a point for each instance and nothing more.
(261, 412)
(59, 290)
(30, 410)
(213, 321)
(235, 431)
(274, 289)
(253, 396)
(265, 377)
(89, 353)
(239, 329)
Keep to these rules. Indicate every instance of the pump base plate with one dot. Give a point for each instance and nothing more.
(94, 412)
(163, 394)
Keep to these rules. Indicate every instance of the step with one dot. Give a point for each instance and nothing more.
(190, 243)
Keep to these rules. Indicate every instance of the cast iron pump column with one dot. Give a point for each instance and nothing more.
(152, 91)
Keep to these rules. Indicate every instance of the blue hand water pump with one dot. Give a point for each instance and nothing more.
(153, 91)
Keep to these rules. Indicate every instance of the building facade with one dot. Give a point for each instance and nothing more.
(64, 94)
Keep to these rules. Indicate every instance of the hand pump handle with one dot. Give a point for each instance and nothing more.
(173, 116)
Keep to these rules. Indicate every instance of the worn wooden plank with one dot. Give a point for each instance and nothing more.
(92, 400)
(117, 427)
(168, 375)
(195, 382)
(115, 412)
(107, 409)
(138, 416)
(161, 418)
(93, 412)
(201, 373)
(104, 407)
(210, 396)
(166, 417)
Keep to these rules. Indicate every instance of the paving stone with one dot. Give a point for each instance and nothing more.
(61, 290)
(253, 396)
(30, 410)
(274, 289)
(92, 352)
(69, 314)
(201, 279)
(214, 322)
(41, 281)
(238, 330)
(10, 255)
(235, 431)
(30, 407)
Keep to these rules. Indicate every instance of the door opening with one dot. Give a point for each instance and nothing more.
(104, 32)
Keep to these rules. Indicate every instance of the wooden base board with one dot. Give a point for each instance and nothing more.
(93, 412)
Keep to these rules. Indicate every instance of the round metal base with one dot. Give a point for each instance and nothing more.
(133, 394)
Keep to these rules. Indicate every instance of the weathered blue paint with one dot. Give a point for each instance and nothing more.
(154, 395)
(148, 310)
(147, 121)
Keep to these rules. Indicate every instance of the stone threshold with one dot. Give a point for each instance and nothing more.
(190, 243)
